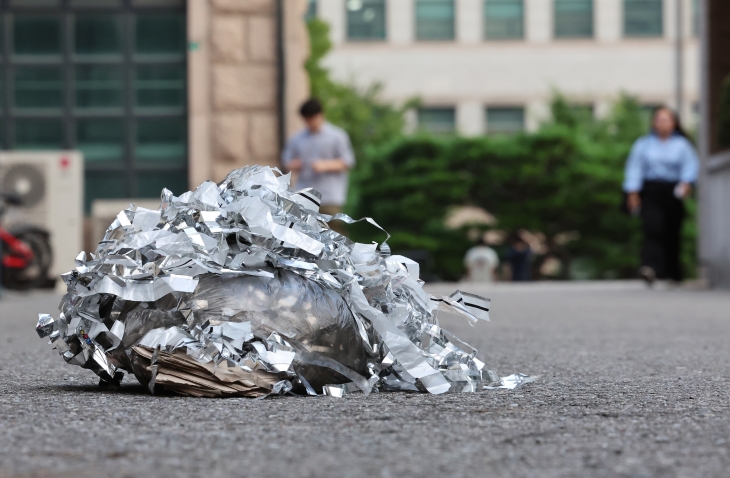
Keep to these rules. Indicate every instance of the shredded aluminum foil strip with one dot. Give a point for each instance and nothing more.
(242, 289)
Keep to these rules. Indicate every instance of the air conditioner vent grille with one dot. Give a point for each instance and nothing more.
(26, 181)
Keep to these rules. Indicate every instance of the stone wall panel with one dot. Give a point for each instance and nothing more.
(228, 39)
(264, 134)
(241, 69)
(272, 161)
(262, 38)
(246, 6)
(221, 169)
(230, 138)
(244, 87)
(226, 90)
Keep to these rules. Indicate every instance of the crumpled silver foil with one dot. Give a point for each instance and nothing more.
(241, 289)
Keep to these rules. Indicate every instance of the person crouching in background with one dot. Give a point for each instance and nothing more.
(481, 262)
(660, 171)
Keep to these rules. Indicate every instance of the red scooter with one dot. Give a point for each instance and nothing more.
(25, 250)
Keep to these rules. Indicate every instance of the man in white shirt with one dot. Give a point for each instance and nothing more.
(322, 155)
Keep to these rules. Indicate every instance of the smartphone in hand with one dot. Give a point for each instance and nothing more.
(679, 191)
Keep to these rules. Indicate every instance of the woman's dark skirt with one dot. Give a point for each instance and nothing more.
(662, 215)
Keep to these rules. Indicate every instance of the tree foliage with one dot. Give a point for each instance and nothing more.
(562, 181)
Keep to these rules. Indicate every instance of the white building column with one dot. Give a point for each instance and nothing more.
(400, 18)
(539, 21)
(411, 121)
(470, 118)
(688, 11)
(537, 111)
(670, 19)
(602, 108)
(608, 18)
(468, 21)
(690, 78)
(333, 12)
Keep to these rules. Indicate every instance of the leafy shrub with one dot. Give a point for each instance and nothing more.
(565, 178)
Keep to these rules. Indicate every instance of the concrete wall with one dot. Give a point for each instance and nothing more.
(471, 73)
(234, 68)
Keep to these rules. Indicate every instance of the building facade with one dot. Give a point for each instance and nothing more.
(154, 93)
(491, 66)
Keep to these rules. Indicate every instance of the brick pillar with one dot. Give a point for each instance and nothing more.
(233, 82)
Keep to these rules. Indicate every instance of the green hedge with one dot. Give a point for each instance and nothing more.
(565, 178)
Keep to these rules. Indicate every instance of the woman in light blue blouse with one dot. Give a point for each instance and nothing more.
(660, 172)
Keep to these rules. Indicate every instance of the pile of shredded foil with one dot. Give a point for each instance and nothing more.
(242, 289)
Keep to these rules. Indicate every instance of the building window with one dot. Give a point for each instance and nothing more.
(504, 19)
(108, 80)
(311, 10)
(505, 120)
(437, 120)
(573, 18)
(583, 112)
(435, 19)
(365, 19)
(643, 18)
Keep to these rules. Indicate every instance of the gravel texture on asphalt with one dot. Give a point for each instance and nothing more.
(633, 383)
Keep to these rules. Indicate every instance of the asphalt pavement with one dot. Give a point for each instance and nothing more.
(632, 382)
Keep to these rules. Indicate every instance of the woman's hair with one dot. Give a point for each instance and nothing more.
(677, 122)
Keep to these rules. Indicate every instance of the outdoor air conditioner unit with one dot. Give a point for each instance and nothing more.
(51, 185)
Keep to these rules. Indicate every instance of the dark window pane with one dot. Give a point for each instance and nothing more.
(2, 135)
(160, 33)
(36, 35)
(643, 18)
(161, 140)
(104, 185)
(38, 87)
(573, 18)
(100, 139)
(435, 19)
(150, 183)
(35, 3)
(160, 85)
(504, 19)
(582, 112)
(505, 120)
(98, 35)
(99, 86)
(311, 10)
(96, 3)
(38, 134)
(158, 3)
(365, 19)
(437, 120)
